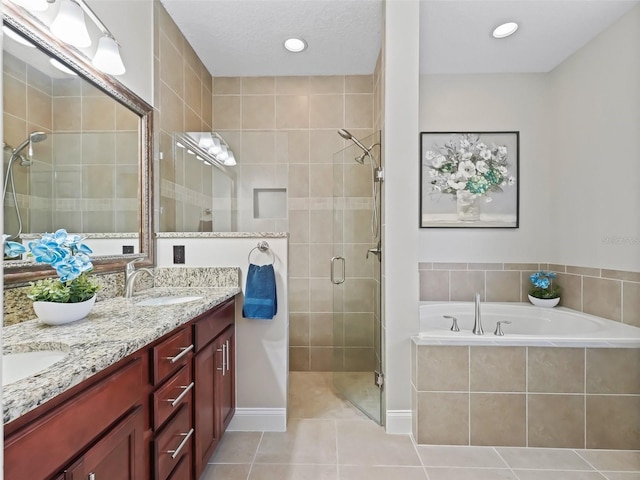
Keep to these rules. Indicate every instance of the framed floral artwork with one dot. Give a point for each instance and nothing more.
(469, 179)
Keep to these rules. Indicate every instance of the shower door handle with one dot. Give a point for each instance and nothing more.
(333, 265)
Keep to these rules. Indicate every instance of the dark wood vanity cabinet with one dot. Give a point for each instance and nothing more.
(155, 415)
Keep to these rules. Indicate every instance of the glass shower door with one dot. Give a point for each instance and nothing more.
(355, 274)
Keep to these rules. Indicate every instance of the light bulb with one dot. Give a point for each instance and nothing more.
(231, 159)
(224, 154)
(215, 148)
(504, 30)
(69, 25)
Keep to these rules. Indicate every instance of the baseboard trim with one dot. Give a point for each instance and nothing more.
(398, 422)
(259, 420)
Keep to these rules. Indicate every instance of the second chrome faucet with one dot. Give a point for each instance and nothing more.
(477, 324)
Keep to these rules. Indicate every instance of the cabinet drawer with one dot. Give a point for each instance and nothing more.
(183, 470)
(173, 442)
(214, 323)
(171, 354)
(57, 437)
(176, 392)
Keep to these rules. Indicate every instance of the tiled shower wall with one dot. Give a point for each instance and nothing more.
(612, 294)
(283, 132)
(183, 104)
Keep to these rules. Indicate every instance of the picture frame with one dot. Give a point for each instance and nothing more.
(470, 179)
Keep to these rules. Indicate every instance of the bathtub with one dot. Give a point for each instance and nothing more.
(530, 325)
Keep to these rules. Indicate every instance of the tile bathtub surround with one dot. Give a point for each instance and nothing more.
(549, 396)
(612, 294)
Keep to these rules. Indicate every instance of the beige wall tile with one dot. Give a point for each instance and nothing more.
(99, 148)
(258, 148)
(14, 96)
(443, 368)
(465, 284)
(292, 111)
(258, 112)
(556, 421)
(326, 111)
(127, 181)
(498, 369)
(357, 226)
(193, 90)
(227, 113)
(320, 180)
(358, 111)
(172, 108)
(321, 226)
(326, 84)
(358, 329)
(298, 260)
(320, 260)
(258, 85)
(425, 266)
(592, 272)
(171, 66)
(613, 370)
(298, 295)
(126, 119)
(15, 130)
(292, 85)
(503, 286)
(485, 266)
(98, 114)
(98, 181)
(39, 80)
(443, 418)
(298, 226)
(292, 146)
(192, 121)
(489, 413)
(631, 303)
(357, 180)
(14, 67)
(602, 297)
(434, 285)
(557, 268)
(571, 290)
(170, 29)
(449, 266)
(321, 329)
(556, 370)
(299, 359)
(323, 145)
(39, 108)
(99, 222)
(358, 84)
(321, 295)
(226, 85)
(298, 181)
(321, 359)
(520, 266)
(621, 275)
(612, 422)
(360, 296)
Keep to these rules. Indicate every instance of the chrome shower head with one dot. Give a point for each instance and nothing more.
(34, 137)
(361, 158)
(347, 136)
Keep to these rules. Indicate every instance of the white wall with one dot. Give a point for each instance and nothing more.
(595, 171)
(502, 102)
(400, 280)
(262, 346)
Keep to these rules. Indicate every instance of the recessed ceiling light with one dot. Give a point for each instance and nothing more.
(504, 30)
(16, 37)
(295, 45)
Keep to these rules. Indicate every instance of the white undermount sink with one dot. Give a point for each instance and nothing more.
(16, 366)
(169, 300)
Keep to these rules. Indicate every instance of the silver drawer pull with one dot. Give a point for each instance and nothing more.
(227, 365)
(224, 358)
(176, 452)
(176, 401)
(184, 351)
(92, 476)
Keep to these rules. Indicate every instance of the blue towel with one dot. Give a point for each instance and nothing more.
(260, 299)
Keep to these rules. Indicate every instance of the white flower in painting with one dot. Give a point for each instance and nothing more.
(453, 181)
(437, 188)
(502, 151)
(439, 160)
(481, 146)
(488, 199)
(485, 154)
(482, 167)
(430, 155)
(433, 173)
(511, 181)
(503, 170)
(467, 156)
(464, 143)
(467, 169)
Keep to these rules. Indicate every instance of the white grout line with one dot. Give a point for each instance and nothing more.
(507, 463)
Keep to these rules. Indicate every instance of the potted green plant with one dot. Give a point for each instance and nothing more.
(69, 297)
(543, 292)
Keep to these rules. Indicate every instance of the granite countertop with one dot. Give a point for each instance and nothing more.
(114, 329)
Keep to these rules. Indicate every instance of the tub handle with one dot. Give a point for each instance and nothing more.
(498, 330)
(454, 326)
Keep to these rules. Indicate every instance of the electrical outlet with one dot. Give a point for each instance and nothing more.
(178, 254)
(127, 249)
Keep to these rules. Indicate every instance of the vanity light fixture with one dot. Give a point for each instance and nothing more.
(215, 147)
(70, 27)
(208, 147)
(61, 66)
(505, 30)
(33, 5)
(230, 161)
(16, 38)
(295, 45)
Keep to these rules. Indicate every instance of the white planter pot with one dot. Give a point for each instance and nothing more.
(544, 302)
(53, 313)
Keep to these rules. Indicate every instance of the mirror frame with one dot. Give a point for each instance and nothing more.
(36, 32)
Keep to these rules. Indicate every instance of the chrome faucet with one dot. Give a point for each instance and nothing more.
(477, 324)
(130, 275)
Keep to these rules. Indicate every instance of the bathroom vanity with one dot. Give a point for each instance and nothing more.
(144, 392)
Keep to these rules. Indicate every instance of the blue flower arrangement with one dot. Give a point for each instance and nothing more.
(70, 259)
(542, 285)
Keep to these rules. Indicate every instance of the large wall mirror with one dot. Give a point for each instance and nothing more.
(76, 152)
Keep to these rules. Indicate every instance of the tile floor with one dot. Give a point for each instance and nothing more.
(328, 439)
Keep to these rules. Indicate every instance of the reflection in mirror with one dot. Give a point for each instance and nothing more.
(199, 195)
(75, 153)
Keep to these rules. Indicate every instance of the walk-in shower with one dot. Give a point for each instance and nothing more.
(16, 154)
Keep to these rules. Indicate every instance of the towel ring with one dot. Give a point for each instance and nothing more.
(263, 247)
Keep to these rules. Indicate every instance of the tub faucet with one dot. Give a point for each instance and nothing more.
(477, 324)
(130, 275)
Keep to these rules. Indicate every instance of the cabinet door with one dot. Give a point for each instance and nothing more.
(225, 384)
(206, 434)
(117, 456)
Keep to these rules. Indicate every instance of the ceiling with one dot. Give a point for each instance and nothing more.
(245, 37)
